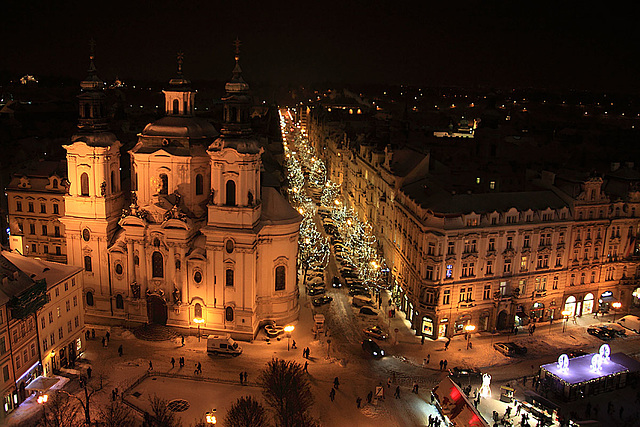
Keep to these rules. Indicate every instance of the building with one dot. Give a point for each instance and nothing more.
(35, 200)
(202, 245)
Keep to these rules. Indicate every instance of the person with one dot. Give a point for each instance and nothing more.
(306, 364)
(181, 361)
(336, 383)
(332, 393)
(422, 340)
(104, 342)
(415, 387)
(150, 366)
(441, 364)
(397, 393)
(428, 358)
(245, 376)
(120, 350)
(446, 345)
(293, 344)
(369, 396)
(507, 412)
(199, 368)
(389, 382)
(444, 365)
(93, 334)
(241, 377)
(182, 336)
(89, 372)
(113, 395)
(358, 402)
(107, 335)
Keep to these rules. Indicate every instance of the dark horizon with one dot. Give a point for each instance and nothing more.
(477, 44)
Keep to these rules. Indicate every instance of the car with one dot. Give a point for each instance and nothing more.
(471, 373)
(369, 311)
(315, 281)
(630, 322)
(316, 291)
(375, 332)
(358, 290)
(335, 282)
(317, 302)
(602, 333)
(273, 330)
(616, 329)
(509, 348)
(372, 348)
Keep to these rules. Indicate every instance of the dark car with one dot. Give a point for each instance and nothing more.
(602, 333)
(359, 291)
(470, 373)
(375, 332)
(509, 348)
(368, 311)
(372, 348)
(316, 291)
(317, 302)
(335, 282)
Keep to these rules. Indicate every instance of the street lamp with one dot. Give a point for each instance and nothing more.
(42, 399)
(288, 329)
(210, 417)
(468, 329)
(198, 321)
(565, 314)
(616, 306)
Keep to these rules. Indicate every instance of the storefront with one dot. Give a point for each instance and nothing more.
(483, 320)
(587, 304)
(635, 295)
(605, 300)
(462, 321)
(443, 327)
(428, 327)
(537, 312)
(570, 306)
(410, 315)
(521, 317)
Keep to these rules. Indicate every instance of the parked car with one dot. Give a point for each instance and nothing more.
(471, 373)
(315, 281)
(618, 330)
(372, 348)
(335, 282)
(509, 348)
(375, 332)
(273, 330)
(600, 332)
(630, 322)
(317, 302)
(361, 301)
(223, 344)
(369, 311)
(316, 291)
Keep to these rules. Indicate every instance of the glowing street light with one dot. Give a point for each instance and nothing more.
(616, 306)
(198, 321)
(42, 399)
(468, 329)
(565, 314)
(288, 329)
(210, 417)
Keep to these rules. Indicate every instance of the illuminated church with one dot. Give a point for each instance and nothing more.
(201, 241)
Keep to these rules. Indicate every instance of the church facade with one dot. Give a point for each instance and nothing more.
(202, 243)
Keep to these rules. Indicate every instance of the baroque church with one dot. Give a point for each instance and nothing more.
(202, 242)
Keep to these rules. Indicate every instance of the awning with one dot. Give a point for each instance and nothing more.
(607, 299)
(42, 383)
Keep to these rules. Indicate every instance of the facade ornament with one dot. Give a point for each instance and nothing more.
(103, 188)
(177, 296)
(135, 290)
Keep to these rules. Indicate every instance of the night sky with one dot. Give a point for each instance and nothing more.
(512, 43)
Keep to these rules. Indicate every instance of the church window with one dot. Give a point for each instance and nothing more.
(56, 209)
(156, 242)
(280, 278)
(54, 183)
(84, 184)
(90, 299)
(176, 106)
(197, 311)
(86, 235)
(229, 246)
(87, 111)
(119, 269)
(164, 184)
(228, 314)
(87, 263)
(157, 265)
(231, 193)
(119, 302)
(43, 208)
(30, 206)
(199, 184)
(228, 277)
(197, 277)
(113, 182)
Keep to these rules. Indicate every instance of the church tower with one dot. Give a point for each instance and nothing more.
(94, 203)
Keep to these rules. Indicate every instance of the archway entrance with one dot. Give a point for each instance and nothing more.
(502, 320)
(587, 305)
(156, 310)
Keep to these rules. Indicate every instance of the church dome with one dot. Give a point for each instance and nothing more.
(181, 126)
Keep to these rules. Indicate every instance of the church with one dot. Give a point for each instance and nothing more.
(200, 244)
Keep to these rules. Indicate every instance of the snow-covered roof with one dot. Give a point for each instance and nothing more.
(275, 209)
(579, 370)
(37, 269)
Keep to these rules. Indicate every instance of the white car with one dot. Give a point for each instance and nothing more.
(630, 322)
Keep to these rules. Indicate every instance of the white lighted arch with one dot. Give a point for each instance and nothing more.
(563, 363)
(605, 352)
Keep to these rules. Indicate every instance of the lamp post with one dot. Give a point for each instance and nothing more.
(42, 399)
(198, 321)
(616, 306)
(210, 417)
(468, 329)
(288, 329)
(565, 315)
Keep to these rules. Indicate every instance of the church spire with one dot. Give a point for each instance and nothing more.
(237, 102)
(92, 112)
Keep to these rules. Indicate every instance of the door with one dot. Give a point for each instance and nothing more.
(502, 320)
(156, 310)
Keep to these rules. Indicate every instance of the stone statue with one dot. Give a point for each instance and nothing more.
(135, 290)
(103, 188)
(177, 297)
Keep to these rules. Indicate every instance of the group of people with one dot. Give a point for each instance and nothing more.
(443, 365)
(434, 421)
(305, 352)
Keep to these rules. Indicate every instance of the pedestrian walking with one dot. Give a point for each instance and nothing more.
(104, 342)
(113, 395)
(446, 345)
(397, 393)
(306, 364)
(150, 366)
(358, 402)
(293, 344)
(120, 350)
(89, 373)
(369, 396)
(107, 335)
(415, 387)
(245, 376)
(173, 363)
(428, 358)
(441, 364)
(336, 383)
(518, 409)
(422, 340)
(332, 393)
(181, 361)
(241, 378)
(444, 365)
(93, 334)
(389, 382)
(199, 368)
(182, 337)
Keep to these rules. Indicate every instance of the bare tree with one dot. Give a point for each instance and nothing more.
(60, 411)
(246, 412)
(117, 414)
(286, 389)
(89, 388)
(162, 415)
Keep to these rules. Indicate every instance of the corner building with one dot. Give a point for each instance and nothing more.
(202, 243)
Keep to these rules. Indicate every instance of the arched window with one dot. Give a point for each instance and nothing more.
(197, 311)
(250, 198)
(54, 183)
(176, 106)
(199, 185)
(228, 277)
(87, 263)
(84, 184)
(231, 193)
(164, 184)
(90, 299)
(119, 302)
(228, 314)
(114, 187)
(157, 265)
(280, 278)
